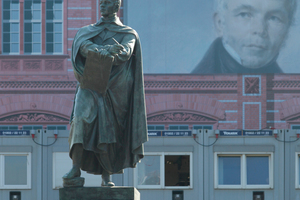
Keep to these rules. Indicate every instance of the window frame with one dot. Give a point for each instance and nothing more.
(297, 170)
(9, 126)
(32, 127)
(53, 21)
(243, 156)
(155, 126)
(295, 125)
(2, 170)
(211, 127)
(162, 171)
(178, 127)
(10, 21)
(56, 126)
(32, 21)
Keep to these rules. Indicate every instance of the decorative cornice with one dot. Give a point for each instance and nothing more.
(5, 85)
(33, 117)
(43, 56)
(180, 117)
(284, 84)
(149, 85)
(191, 85)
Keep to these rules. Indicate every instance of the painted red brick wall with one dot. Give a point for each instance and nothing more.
(45, 85)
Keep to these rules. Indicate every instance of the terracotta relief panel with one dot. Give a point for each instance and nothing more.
(33, 117)
(54, 65)
(252, 85)
(32, 65)
(179, 117)
(10, 65)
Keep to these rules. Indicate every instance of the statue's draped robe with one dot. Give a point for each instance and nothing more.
(112, 127)
(218, 61)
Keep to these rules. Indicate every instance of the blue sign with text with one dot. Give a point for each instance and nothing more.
(14, 132)
(258, 133)
(154, 133)
(231, 133)
(246, 133)
(177, 133)
(170, 133)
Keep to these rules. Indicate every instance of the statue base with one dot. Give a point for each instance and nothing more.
(99, 193)
(73, 182)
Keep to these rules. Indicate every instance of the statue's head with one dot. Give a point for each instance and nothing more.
(109, 7)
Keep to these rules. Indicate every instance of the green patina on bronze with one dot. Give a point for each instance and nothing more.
(111, 126)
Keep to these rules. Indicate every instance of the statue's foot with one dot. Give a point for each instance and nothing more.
(73, 173)
(106, 182)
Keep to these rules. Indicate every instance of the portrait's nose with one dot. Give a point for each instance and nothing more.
(260, 27)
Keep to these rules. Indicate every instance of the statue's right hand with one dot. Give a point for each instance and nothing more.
(105, 54)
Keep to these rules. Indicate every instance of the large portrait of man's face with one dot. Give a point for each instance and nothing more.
(251, 34)
(254, 29)
(219, 36)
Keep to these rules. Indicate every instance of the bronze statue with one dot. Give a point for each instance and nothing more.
(108, 127)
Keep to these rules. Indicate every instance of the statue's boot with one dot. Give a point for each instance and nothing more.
(77, 151)
(106, 182)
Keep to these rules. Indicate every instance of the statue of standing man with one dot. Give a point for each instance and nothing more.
(108, 129)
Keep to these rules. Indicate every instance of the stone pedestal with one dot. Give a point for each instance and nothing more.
(99, 193)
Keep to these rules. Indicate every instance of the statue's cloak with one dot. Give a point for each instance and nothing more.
(115, 127)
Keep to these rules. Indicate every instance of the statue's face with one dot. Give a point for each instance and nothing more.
(255, 29)
(107, 7)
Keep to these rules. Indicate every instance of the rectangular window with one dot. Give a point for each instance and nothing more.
(54, 26)
(178, 127)
(15, 169)
(209, 127)
(164, 170)
(10, 26)
(242, 171)
(297, 173)
(149, 171)
(32, 26)
(156, 127)
(229, 170)
(295, 127)
(9, 128)
(32, 127)
(58, 127)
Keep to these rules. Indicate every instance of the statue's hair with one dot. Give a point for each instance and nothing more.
(221, 5)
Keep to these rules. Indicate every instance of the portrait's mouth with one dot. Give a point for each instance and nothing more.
(257, 46)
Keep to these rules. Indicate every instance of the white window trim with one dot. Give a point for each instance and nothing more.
(297, 157)
(28, 185)
(162, 172)
(244, 184)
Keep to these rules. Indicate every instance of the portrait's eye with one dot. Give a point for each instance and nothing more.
(244, 15)
(275, 18)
